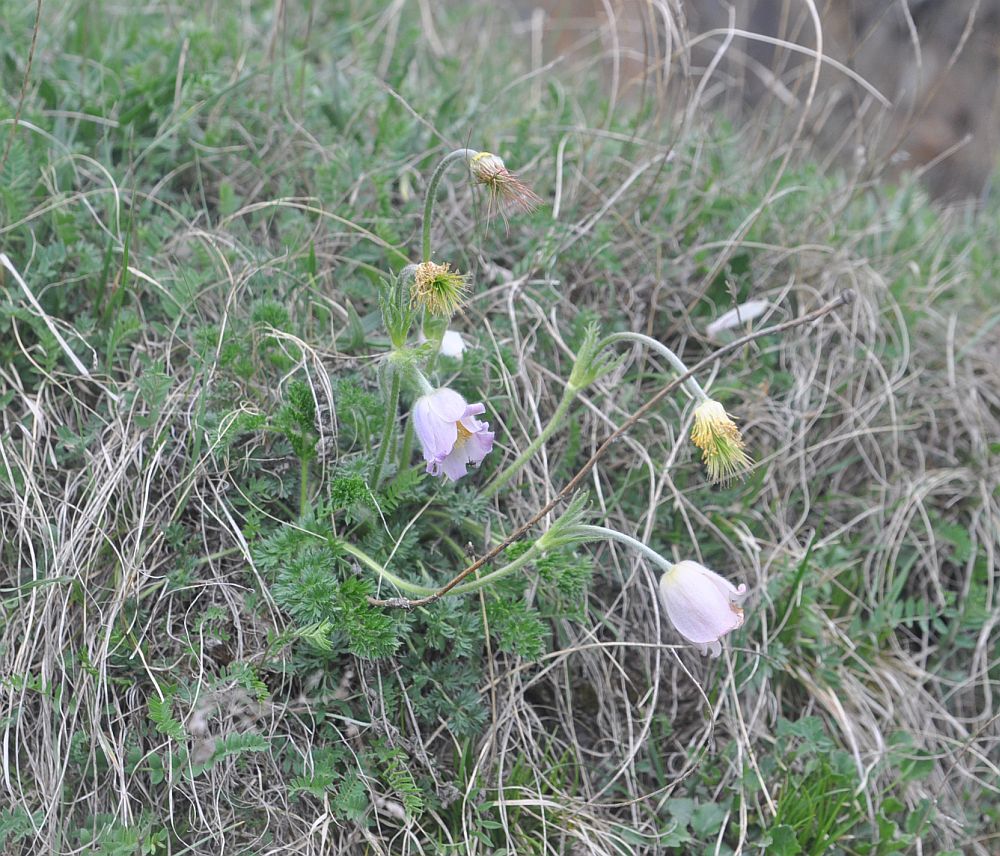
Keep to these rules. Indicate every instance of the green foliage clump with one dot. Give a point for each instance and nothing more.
(297, 420)
(210, 541)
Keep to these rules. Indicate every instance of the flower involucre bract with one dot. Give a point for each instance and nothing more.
(437, 288)
(701, 605)
(720, 441)
(450, 434)
(505, 190)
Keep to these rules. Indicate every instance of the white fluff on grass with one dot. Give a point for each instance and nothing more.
(736, 316)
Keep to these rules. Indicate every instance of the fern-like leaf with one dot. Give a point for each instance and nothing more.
(162, 715)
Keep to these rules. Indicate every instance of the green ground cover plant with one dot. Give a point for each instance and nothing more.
(358, 484)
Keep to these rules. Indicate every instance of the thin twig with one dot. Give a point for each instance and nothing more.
(24, 85)
(842, 299)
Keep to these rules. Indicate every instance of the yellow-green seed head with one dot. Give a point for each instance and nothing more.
(720, 441)
(437, 288)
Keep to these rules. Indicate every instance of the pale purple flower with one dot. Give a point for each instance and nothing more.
(450, 435)
(703, 606)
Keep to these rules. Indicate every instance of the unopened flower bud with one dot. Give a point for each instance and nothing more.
(452, 343)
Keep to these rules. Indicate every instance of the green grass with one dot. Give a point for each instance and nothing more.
(205, 202)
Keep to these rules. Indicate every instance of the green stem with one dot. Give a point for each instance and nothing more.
(303, 486)
(388, 427)
(415, 590)
(691, 385)
(432, 193)
(482, 582)
(406, 452)
(507, 474)
(600, 533)
(369, 562)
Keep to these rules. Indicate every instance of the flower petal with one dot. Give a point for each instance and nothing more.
(735, 594)
(450, 434)
(454, 465)
(447, 404)
(476, 409)
(478, 446)
(699, 605)
(437, 436)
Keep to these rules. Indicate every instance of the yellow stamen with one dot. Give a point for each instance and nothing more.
(720, 441)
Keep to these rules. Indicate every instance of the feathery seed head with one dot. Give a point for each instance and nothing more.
(437, 288)
(504, 189)
(720, 441)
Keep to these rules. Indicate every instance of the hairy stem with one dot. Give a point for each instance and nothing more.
(389, 576)
(510, 471)
(423, 593)
(388, 427)
(303, 486)
(420, 379)
(528, 555)
(690, 384)
(406, 452)
(601, 533)
(432, 193)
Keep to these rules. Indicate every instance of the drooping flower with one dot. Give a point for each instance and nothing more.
(504, 189)
(450, 434)
(437, 288)
(702, 605)
(720, 441)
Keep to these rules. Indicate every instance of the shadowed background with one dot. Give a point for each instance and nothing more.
(936, 62)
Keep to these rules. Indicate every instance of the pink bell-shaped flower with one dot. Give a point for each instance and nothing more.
(450, 434)
(701, 605)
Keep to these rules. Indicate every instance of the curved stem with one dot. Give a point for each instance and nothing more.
(421, 381)
(690, 384)
(391, 411)
(511, 470)
(594, 533)
(602, 532)
(420, 591)
(370, 563)
(432, 193)
(529, 554)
